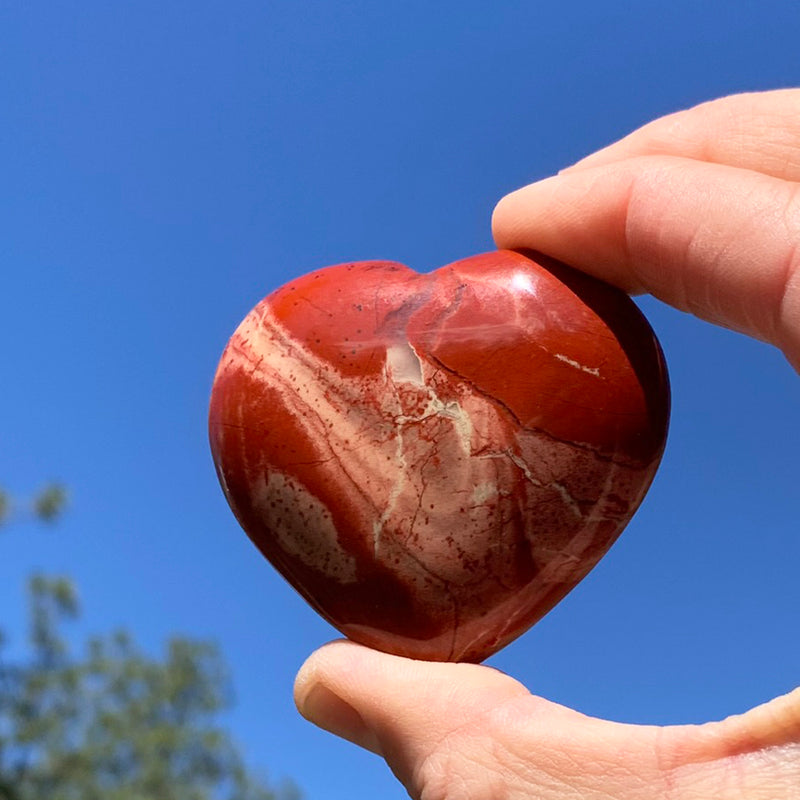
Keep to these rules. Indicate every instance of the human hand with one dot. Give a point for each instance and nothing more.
(701, 209)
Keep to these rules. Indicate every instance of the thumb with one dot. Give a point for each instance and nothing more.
(440, 725)
(396, 707)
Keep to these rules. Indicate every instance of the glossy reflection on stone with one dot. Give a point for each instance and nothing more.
(434, 460)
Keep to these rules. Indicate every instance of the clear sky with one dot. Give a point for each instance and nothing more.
(164, 165)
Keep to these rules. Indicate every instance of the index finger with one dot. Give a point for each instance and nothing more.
(718, 241)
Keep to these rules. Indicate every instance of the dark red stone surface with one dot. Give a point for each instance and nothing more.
(434, 460)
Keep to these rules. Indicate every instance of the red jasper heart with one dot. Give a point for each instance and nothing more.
(434, 460)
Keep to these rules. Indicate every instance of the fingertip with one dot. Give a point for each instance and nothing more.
(330, 660)
(328, 711)
(500, 216)
(385, 691)
(512, 213)
(304, 682)
(319, 697)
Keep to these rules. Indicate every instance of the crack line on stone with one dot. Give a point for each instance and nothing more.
(419, 498)
(615, 458)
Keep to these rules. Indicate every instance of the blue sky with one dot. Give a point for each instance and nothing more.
(165, 165)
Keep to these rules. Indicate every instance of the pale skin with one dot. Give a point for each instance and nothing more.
(702, 210)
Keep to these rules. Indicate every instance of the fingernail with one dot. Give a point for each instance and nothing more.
(329, 712)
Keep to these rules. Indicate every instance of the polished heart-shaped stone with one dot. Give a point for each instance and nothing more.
(434, 460)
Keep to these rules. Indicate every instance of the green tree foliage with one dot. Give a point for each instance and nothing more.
(50, 502)
(5, 506)
(113, 723)
(46, 505)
